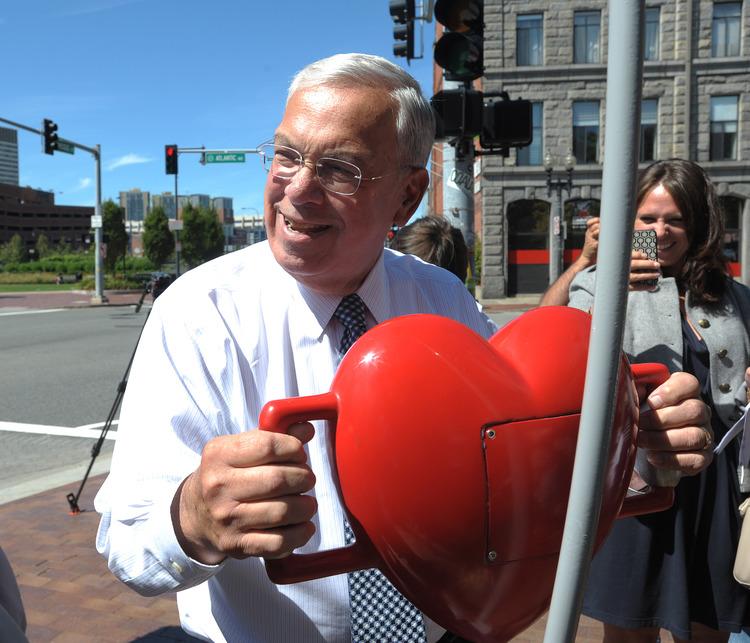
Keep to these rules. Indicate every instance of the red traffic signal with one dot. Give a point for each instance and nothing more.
(170, 159)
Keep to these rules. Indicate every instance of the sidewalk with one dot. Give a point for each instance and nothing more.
(71, 597)
(82, 299)
(69, 594)
(67, 299)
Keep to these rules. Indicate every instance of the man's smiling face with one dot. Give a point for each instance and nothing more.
(324, 240)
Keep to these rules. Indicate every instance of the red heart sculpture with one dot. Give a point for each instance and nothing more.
(454, 459)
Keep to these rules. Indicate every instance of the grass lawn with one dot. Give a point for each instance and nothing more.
(38, 287)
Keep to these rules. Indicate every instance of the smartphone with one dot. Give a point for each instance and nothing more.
(645, 241)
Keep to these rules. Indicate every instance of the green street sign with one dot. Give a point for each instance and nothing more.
(64, 146)
(233, 157)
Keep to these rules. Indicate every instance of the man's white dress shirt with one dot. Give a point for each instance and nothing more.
(223, 340)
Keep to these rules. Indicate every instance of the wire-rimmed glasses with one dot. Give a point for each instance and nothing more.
(336, 176)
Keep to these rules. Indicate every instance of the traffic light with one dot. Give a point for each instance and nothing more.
(170, 158)
(498, 121)
(460, 51)
(50, 136)
(458, 112)
(506, 123)
(402, 12)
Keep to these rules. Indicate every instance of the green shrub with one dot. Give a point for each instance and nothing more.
(27, 278)
(111, 283)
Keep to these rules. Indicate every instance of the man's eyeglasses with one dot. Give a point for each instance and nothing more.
(334, 175)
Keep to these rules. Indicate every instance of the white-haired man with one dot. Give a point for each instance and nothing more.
(196, 497)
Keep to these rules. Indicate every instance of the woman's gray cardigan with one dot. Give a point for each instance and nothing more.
(653, 333)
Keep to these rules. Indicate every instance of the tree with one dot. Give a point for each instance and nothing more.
(202, 236)
(63, 247)
(158, 241)
(42, 246)
(14, 251)
(113, 228)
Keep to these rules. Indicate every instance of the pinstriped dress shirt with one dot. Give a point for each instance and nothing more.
(223, 340)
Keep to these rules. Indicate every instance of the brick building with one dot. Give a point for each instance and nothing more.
(30, 212)
(696, 103)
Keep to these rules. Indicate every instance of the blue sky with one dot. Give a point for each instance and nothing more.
(134, 75)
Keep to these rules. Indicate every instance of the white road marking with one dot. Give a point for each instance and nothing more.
(86, 431)
(33, 312)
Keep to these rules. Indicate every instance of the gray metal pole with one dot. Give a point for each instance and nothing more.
(177, 230)
(98, 264)
(623, 103)
(458, 185)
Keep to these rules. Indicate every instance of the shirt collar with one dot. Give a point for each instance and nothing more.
(374, 292)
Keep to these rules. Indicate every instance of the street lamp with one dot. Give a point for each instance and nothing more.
(556, 240)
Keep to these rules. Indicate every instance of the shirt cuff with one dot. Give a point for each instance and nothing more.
(186, 571)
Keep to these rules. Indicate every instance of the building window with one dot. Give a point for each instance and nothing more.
(723, 128)
(586, 131)
(532, 154)
(725, 29)
(586, 36)
(732, 207)
(651, 40)
(649, 119)
(529, 39)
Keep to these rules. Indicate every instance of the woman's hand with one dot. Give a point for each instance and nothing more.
(676, 431)
(642, 269)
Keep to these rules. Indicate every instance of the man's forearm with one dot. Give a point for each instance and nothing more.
(558, 293)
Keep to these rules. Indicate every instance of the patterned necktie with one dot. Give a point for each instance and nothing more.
(379, 611)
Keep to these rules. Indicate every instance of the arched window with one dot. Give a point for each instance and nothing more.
(528, 240)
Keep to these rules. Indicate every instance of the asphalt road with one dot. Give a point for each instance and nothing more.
(59, 370)
(59, 374)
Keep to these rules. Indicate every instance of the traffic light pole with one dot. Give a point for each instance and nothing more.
(177, 247)
(98, 296)
(458, 185)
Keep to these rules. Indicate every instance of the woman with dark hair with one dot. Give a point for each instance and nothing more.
(435, 241)
(673, 569)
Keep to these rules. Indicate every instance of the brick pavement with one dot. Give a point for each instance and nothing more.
(67, 299)
(71, 597)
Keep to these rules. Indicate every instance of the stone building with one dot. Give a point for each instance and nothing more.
(696, 102)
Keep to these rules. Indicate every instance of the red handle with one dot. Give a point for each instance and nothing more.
(650, 375)
(278, 416)
(655, 498)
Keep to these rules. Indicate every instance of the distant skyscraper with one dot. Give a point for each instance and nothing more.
(166, 200)
(135, 203)
(224, 208)
(199, 201)
(8, 156)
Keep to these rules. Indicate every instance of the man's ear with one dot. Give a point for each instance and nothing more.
(413, 191)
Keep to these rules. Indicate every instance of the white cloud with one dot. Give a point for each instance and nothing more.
(128, 159)
(82, 184)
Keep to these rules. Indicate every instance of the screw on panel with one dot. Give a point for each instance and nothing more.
(490, 434)
(491, 556)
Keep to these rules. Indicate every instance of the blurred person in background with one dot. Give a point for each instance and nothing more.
(435, 241)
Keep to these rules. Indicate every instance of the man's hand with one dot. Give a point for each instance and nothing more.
(676, 432)
(245, 498)
(642, 269)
